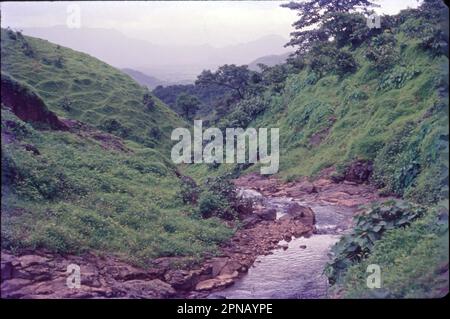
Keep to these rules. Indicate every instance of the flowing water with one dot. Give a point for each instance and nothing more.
(298, 271)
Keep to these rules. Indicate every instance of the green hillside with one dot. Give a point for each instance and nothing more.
(395, 118)
(84, 189)
(77, 86)
(378, 97)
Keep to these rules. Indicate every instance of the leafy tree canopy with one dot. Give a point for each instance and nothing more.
(313, 14)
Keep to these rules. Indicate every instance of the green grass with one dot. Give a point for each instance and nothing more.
(96, 91)
(413, 262)
(395, 119)
(76, 196)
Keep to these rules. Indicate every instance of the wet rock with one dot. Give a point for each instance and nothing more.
(300, 189)
(220, 281)
(295, 211)
(14, 285)
(182, 279)
(231, 267)
(217, 265)
(251, 221)
(148, 288)
(267, 214)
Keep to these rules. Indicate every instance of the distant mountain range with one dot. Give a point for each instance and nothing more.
(167, 63)
(149, 81)
(269, 60)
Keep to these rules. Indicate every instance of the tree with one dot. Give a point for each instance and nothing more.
(236, 78)
(188, 104)
(313, 14)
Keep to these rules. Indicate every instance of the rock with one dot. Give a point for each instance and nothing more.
(29, 260)
(7, 270)
(302, 246)
(220, 281)
(294, 211)
(181, 279)
(301, 188)
(267, 214)
(14, 285)
(155, 288)
(231, 267)
(217, 265)
(126, 272)
(251, 221)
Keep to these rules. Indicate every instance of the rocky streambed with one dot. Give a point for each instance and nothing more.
(278, 253)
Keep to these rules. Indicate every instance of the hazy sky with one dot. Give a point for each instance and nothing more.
(217, 23)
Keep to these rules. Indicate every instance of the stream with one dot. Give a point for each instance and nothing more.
(297, 272)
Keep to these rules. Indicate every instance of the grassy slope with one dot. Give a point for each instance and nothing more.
(96, 90)
(367, 116)
(413, 261)
(76, 195)
(398, 120)
(400, 126)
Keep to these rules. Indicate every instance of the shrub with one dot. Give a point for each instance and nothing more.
(114, 126)
(219, 198)
(397, 78)
(210, 204)
(189, 190)
(59, 62)
(369, 228)
(345, 63)
(155, 133)
(382, 51)
(27, 49)
(245, 111)
(148, 101)
(66, 104)
(11, 34)
(413, 261)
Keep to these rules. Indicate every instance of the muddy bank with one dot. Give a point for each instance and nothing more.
(43, 275)
(323, 189)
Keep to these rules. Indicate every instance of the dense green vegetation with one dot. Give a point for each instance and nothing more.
(381, 97)
(75, 195)
(413, 261)
(374, 95)
(209, 96)
(350, 94)
(74, 191)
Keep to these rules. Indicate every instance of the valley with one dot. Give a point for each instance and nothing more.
(362, 179)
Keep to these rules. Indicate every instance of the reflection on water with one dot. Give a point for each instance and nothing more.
(298, 271)
(292, 273)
